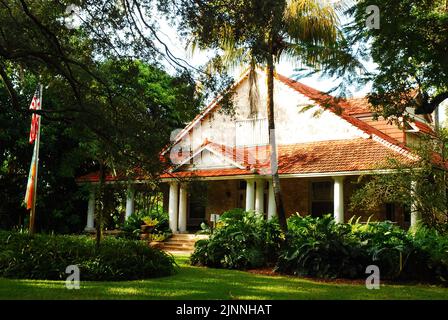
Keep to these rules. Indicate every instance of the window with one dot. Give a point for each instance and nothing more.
(321, 198)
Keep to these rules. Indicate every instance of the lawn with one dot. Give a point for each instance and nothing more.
(205, 283)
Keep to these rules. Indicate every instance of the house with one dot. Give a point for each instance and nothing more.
(221, 159)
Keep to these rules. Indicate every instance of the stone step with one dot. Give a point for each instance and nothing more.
(172, 243)
(179, 242)
(189, 236)
(176, 244)
(176, 240)
(176, 248)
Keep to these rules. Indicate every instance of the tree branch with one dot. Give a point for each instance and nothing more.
(428, 106)
(10, 87)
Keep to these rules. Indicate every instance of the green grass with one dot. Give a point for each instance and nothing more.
(205, 283)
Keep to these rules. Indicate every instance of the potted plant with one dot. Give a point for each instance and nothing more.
(148, 224)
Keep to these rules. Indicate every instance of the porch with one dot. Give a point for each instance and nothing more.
(191, 203)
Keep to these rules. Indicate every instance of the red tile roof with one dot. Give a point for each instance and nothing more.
(95, 177)
(314, 157)
(338, 106)
(358, 106)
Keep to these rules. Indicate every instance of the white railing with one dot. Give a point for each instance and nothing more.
(251, 132)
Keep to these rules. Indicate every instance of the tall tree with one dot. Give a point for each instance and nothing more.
(101, 92)
(410, 49)
(261, 33)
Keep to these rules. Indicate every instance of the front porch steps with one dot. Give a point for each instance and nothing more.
(179, 243)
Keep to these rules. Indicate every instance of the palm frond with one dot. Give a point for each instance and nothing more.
(313, 21)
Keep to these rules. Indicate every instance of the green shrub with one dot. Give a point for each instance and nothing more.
(321, 247)
(241, 240)
(430, 258)
(47, 256)
(388, 246)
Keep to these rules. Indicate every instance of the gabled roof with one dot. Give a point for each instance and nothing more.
(327, 156)
(344, 109)
(213, 148)
(314, 157)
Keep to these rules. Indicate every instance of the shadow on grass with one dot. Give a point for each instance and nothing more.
(207, 283)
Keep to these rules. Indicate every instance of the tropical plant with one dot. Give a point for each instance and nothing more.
(261, 33)
(321, 247)
(388, 246)
(431, 252)
(241, 240)
(157, 219)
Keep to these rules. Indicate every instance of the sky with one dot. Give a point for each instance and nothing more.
(177, 46)
(170, 36)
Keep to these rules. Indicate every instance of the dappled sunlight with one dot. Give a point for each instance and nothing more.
(191, 282)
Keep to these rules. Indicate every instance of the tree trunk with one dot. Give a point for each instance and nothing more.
(273, 145)
(99, 215)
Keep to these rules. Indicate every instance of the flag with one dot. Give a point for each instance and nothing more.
(34, 137)
(35, 105)
(29, 196)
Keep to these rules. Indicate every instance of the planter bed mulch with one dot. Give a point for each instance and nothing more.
(271, 273)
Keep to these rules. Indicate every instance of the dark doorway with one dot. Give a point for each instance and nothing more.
(197, 205)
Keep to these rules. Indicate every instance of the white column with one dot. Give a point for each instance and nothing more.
(250, 190)
(416, 216)
(272, 209)
(338, 194)
(173, 206)
(130, 193)
(91, 211)
(259, 196)
(183, 208)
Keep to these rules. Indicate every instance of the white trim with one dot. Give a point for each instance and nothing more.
(219, 155)
(235, 177)
(335, 174)
(254, 176)
(294, 175)
(394, 147)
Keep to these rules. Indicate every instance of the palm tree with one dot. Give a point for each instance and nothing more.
(257, 34)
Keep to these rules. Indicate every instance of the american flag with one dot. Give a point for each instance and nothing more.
(35, 105)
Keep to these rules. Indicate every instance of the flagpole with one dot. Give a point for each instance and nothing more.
(36, 150)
